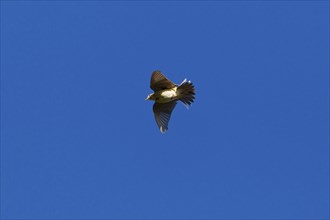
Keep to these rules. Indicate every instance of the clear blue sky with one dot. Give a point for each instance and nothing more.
(78, 140)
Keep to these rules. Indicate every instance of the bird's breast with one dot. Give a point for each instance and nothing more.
(166, 95)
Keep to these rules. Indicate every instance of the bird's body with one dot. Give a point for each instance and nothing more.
(166, 94)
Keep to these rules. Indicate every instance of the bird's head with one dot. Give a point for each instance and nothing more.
(150, 97)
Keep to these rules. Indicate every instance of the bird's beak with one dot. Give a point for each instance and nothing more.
(147, 98)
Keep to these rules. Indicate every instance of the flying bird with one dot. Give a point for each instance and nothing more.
(166, 94)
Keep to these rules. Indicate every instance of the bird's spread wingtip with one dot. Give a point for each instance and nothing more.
(162, 130)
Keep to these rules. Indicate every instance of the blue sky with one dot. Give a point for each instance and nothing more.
(78, 140)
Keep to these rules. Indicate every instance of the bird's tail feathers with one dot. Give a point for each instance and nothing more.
(186, 92)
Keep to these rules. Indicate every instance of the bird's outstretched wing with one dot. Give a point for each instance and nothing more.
(160, 82)
(162, 112)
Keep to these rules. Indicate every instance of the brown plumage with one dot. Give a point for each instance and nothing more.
(166, 94)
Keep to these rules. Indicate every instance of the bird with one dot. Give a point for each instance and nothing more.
(166, 95)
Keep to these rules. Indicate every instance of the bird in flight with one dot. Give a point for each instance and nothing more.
(166, 94)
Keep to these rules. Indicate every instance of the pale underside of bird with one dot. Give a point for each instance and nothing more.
(166, 94)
